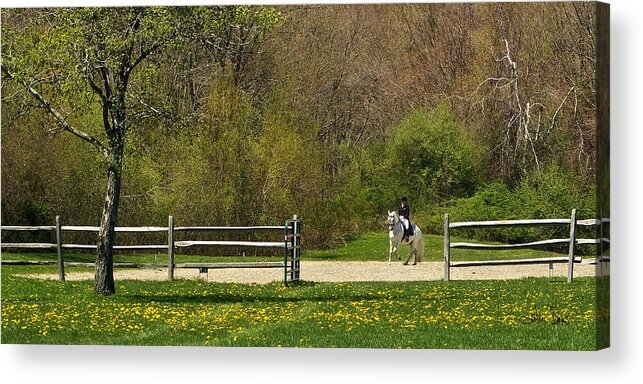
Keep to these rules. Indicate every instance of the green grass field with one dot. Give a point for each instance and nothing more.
(524, 314)
(546, 314)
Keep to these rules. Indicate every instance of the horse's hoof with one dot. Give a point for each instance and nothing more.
(405, 263)
(415, 263)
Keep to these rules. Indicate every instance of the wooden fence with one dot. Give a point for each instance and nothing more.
(291, 246)
(572, 241)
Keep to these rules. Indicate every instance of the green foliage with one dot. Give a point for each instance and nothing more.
(381, 186)
(34, 212)
(551, 193)
(433, 157)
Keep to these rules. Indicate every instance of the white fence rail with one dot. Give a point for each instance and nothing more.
(290, 245)
(572, 241)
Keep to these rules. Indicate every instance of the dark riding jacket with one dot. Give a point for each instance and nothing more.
(405, 211)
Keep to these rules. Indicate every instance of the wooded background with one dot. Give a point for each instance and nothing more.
(331, 112)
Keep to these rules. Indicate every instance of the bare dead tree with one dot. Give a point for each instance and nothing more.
(526, 132)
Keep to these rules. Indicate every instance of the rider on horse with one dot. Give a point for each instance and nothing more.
(405, 214)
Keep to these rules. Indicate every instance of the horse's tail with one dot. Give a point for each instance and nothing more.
(419, 250)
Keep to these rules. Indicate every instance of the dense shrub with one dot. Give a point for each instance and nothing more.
(551, 193)
(434, 157)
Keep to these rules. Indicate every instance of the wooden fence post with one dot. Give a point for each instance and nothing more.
(447, 249)
(170, 248)
(297, 250)
(572, 246)
(59, 248)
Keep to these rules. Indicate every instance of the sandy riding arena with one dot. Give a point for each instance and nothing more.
(340, 271)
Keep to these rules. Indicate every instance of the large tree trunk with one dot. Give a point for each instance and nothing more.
(104, 276)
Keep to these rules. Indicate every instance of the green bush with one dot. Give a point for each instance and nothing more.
(550, 193)
(433, 156)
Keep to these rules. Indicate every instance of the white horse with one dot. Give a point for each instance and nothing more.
(396, 233)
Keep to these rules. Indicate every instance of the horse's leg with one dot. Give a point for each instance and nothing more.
(406, 262)
(410, 254)
(390, 251)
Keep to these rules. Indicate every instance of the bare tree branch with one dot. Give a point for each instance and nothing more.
(553, 118)
(59, 117)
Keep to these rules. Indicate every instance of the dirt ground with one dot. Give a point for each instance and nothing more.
(342, 271)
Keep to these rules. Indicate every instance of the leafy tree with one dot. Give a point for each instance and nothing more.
(90, 69)
(433, 155)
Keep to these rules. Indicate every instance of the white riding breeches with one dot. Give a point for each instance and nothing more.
(405, 222)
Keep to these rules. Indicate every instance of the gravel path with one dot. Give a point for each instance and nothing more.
(339, 271)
